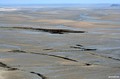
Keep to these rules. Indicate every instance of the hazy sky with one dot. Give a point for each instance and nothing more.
(56, 1)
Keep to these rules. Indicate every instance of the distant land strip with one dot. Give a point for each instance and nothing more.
(52, 31)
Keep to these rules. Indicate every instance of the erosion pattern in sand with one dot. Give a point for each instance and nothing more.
(59, 43)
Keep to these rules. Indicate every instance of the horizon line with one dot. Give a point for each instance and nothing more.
(59, 4)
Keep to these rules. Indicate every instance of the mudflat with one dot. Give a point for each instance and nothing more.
(59, 43)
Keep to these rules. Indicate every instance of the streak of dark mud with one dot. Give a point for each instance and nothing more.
(62, 57)
(105, 56)
(52, 31)
(82, 48)
(19, 51)
(66, 58)
(40, 75)
(7, 67)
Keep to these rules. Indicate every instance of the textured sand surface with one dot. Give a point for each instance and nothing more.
(49, 54)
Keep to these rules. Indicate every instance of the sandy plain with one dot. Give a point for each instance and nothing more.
(39, 43)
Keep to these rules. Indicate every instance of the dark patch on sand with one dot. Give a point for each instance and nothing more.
(15, 51)
(79, 45)
(88, 64)
(86, 49)
(47, 49)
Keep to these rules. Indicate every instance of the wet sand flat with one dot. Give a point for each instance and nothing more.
(60, 43)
